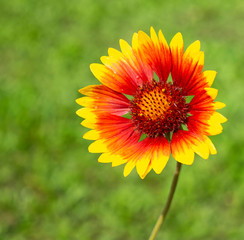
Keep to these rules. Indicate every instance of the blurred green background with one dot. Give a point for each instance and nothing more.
(50, 186)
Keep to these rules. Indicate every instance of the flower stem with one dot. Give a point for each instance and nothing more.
(168, 203)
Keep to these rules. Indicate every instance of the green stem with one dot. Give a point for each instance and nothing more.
(168, 203)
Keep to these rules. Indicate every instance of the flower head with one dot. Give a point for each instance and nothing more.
(154, 100)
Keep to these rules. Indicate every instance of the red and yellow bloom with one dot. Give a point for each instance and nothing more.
(139, 116)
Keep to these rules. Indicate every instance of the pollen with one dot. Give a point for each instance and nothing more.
(158, 109)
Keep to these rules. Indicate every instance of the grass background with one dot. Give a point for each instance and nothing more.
(50, 186)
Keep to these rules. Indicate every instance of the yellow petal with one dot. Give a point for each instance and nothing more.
(186, 157)
(177, 41)
(115, 53)
(91, 135)
(194, 54)
(105, 158)
(86, 113)
(149, 168)
(98, 70)
(193, 48)
(142, 164)
(214, 128)
(201, 58)
(201, 148)
(143, 38)
(219, 117)
(106, 60)
(125, 48)
(183, 152)
(88, 123)
(162, 39)
(160, 159)
(214, 123)
(154, 36)
(85, 101)
(118, 161)
(129, 167)
(212, 92)
(210, 76)
(98, 147)
(218, 105)
(115, 159)
(135, 41)
(87, 90)
(211, 146)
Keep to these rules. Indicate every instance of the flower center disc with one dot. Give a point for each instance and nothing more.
(157, 109)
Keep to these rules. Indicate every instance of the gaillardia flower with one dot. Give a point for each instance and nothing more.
(154, 100)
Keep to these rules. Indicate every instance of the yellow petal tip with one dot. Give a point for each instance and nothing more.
(97, 147)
